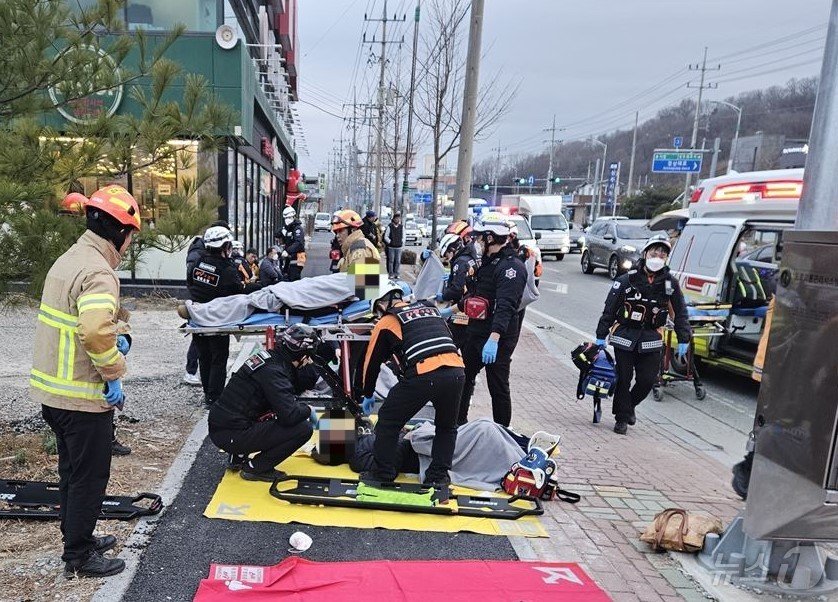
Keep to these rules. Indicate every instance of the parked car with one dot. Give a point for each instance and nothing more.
(614, 245)
(424, 226)
(577, 238)
(322, 221)
(442, 222)
(412, 234)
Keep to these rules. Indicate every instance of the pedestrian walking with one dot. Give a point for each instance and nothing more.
(430, 370)
(77, 372)
(393, 243)
(639, 302)
(491, 304)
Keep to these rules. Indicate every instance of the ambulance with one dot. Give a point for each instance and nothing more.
(727, 257)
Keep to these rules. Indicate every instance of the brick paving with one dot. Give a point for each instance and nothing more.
(623, 480)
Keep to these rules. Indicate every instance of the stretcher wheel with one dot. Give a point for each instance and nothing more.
(657, 394)
(700, 393)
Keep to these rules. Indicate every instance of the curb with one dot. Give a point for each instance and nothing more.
(114, 588)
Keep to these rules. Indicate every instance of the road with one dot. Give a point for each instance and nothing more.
(567, 313)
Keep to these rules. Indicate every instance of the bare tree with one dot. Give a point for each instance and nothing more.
(440, 87)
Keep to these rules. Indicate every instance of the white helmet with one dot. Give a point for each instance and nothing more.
(217, 236)
(238, 246)
(657, 239)
(392, 290)
(289, 212)
(493, 222)
(449, 242)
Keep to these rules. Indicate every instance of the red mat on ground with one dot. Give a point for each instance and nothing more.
(298, 579)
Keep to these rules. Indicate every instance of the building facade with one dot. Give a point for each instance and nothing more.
(247, 52)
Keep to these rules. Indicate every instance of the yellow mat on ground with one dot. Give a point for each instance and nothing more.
(237, 499)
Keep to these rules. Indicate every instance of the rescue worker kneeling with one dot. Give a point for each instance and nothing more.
(416, 335)
(640, 302)
(258, 410)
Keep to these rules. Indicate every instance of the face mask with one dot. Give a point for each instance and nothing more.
(655, 264)
(289, 221)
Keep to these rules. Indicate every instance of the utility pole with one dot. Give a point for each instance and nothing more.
(464, 155)
(379, 145)
(629, 190)
(496, 172)
(552, 131)
(409, 135)
(701, 87)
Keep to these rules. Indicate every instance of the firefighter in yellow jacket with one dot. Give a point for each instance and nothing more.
(78, 368)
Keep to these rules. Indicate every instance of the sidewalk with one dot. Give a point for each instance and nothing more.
(624, 481)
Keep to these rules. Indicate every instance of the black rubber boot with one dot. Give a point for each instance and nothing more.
(96, 565)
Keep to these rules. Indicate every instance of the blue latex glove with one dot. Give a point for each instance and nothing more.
(367, 403)
(113, 392)
(425, 254)
(438, 297)
(600, 342)
(682, 350)
(122, 344)
(447, 312)
(490, 351)
(313, 419)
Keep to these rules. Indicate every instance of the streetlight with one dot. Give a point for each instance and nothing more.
(735, 145)
(601, 175)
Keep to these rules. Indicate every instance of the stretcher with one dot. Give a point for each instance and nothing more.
(39, 500)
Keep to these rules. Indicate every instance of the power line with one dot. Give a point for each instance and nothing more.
(773, 62)
(770, 71)
(774, 42)
(818, 42)
(330, 28)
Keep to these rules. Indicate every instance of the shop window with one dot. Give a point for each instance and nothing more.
(164, 15)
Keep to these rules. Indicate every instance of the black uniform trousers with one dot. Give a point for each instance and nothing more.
(213, 352)
(192, 357)
(293, 270)
(273, 441)
(459, 332)
(497, 376)
(83, 440)
(644, 368)
(442, 388)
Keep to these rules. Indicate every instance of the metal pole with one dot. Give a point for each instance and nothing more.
(495, 183)
(470, 86)
(686, 198)
(408, 140)
(595, 212)
(633, 151)
(616, 190)
(735, 145)
(714, 162)
(550, 167)
(601, 178)
(818, 210)
(380, 134)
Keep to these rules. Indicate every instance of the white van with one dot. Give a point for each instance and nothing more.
(544, 214)
(728, 254)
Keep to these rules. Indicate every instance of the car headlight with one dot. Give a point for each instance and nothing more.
(628, 249)
(581, 240)
(627, 264)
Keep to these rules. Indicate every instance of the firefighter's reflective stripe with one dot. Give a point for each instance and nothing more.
(55, 318)
(96, 301)
(66, 353)
(65, 386)
(105, 358)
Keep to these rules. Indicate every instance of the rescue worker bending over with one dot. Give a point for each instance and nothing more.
(259, 412)
(459, 252)
(491, 304)
(354, 245)
(77, 372)
(294, 242)
(416, 335)
(215, 275)
(639, 302)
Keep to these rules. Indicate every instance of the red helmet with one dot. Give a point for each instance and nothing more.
(346, 219)
(118, 203)
(460, 228)
(73, 203)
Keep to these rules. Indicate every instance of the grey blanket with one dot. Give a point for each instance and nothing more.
(483, 455)
(309, 293)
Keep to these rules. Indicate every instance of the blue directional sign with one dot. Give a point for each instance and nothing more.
(677, 142)
(531, 180)
(422, 198)
(676, 162)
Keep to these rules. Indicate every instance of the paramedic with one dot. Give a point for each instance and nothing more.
(459, 252)
(259, 411)
(525, 253)
(430, 370)
(639, 302)
(78, 368)
(294, 243)
(491, 303)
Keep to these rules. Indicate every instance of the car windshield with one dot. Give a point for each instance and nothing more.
(524, 232)
(548, 222)
(627, 231)
(421, 221)
(321, 216)
(411, 226)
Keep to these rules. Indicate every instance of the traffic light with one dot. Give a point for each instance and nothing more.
(522, 181)
(485, 187)
(557, 180)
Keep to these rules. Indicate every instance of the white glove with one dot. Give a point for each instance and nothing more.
(284, 254)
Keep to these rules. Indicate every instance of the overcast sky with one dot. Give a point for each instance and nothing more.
(582, 60)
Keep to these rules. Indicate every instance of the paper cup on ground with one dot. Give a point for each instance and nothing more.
(300, 542)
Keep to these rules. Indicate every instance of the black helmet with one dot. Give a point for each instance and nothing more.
(297, 341)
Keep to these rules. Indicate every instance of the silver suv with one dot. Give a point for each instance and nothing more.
(614, 245)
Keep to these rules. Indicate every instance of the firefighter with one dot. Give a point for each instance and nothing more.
(77, 372)
(639, 302)
(459, 252)
(215, 275)
(294, 245)
(354, 246)
(259, 412)
(491, 304)
(430, 369)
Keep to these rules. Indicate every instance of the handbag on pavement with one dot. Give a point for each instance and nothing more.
(677, 530)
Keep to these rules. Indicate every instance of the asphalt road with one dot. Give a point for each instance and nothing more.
(567, 313)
